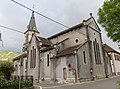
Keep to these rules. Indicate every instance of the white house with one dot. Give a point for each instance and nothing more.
(114, 58)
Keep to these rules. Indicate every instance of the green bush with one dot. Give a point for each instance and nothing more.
(6, 69)
(118, 84)
(14, 84)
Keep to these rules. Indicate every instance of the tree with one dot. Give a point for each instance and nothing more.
(1, 75)
(109, 18)
(6, 69)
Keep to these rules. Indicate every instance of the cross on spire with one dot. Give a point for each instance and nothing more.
(32, 23)
(33, 7)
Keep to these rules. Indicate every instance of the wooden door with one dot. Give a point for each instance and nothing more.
(64, 74)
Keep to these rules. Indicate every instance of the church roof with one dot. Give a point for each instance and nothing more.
(45, 41)
(66, 31)
(70, 50)
(32, 24)
(20, 56)
(109, 49)
(67, 51)
(75, 27)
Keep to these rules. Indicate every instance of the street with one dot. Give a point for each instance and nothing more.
(110, 83)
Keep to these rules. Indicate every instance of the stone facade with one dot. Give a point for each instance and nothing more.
(69, 56)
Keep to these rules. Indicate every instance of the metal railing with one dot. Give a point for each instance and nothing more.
(24, 78)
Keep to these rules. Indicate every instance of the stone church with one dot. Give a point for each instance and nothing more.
(75, 54)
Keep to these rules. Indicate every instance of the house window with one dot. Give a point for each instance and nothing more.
(48, 59)
(84, 57)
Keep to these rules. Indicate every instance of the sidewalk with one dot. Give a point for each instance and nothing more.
(45, 85)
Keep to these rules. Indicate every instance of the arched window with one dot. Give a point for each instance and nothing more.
(33, 58)
(97, 52)
(84, 57)
(48, 60)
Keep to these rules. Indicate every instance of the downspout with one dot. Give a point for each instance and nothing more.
(76, 69)
(113, 60)
(54, 64)
(39, 67)
(110, 63)
(39, 59)
(105, 63)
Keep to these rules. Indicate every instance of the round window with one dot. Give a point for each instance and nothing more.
(76, 40)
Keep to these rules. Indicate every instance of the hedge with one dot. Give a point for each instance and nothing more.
(14, 84)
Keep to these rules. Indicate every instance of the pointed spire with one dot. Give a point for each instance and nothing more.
(32, 24)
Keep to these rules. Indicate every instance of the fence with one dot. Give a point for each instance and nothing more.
(28, 78)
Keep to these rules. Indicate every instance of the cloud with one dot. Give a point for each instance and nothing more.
(67, 12)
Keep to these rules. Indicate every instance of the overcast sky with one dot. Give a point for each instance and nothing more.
(68, 12)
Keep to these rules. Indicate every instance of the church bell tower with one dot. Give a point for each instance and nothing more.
(31, 29)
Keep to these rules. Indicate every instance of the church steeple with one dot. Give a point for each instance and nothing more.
(32, 24)
(31, 28)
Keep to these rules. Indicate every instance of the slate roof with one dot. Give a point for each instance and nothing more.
(109, 49)
(47, 48)
(67, 51)
(66, 31)
(45, 41)
(20, 56)
(32, 24)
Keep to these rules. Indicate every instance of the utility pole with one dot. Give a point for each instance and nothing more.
(1, 38)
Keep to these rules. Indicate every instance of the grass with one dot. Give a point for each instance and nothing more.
(7, 55)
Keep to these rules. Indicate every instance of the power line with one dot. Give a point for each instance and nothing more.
(11, 29)
(41, 14)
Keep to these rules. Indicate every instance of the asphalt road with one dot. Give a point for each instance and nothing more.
(110, 83)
